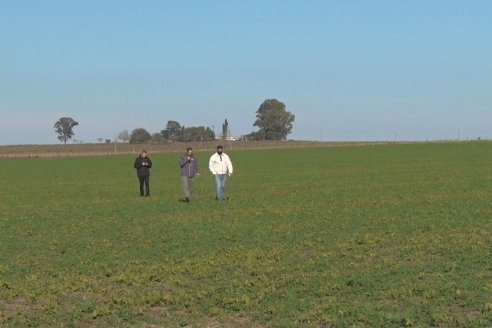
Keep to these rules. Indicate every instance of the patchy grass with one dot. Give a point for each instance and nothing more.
(382, 235)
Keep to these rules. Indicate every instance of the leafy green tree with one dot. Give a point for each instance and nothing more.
(209, 134)
(158, 139)
(253, 136)
(140, 135)
(64, 128)
(172, 131)
(274, 121)
(197, 133)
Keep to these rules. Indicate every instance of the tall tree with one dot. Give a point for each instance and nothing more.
(172, 131)
(225, 130)
(274, 121)
(140, 135)
(64, 128)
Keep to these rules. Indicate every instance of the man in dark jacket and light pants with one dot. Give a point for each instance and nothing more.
(143, 165)
(188, 168)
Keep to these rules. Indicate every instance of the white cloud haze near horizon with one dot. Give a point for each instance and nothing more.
(352, 70)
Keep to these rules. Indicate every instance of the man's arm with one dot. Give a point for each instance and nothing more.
(182, 161)
(211, 165)
(229, 166)
(197, 167)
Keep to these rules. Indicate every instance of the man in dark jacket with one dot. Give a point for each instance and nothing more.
(143, 165)
(188, 168)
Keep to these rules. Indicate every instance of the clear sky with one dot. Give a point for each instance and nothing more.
(349, 70)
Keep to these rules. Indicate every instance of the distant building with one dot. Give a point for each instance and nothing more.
(228, 138)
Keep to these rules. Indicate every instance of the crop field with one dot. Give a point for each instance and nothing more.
(353, 236)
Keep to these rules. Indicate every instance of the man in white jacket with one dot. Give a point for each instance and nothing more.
(220, 165)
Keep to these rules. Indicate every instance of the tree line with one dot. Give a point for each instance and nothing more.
(274, 122)
(173, 132)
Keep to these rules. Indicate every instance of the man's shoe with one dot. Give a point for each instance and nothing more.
(187, 200)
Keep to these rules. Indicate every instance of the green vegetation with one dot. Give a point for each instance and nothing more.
(364, 236)
(64, 127)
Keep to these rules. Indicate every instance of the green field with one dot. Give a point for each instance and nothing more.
(355, 236)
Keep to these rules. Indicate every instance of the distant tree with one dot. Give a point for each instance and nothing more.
(158, 138)
(140, 135)
(64, 128)
(124, 136)
(253, 136)
(100, 140)
(225, 130)
(172, 131)
(274, 121)
(210, 133)
(108, 141)
(197, 133)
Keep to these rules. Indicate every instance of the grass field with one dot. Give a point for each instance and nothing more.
(359, 236)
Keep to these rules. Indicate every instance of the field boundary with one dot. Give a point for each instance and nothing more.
(83, 150)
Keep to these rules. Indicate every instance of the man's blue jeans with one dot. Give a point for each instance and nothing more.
(220, 180)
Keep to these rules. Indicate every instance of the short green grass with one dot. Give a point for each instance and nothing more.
(360, 236)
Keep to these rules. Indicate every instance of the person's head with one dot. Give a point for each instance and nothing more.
(189, 151)
(143, 154)
(220, 150)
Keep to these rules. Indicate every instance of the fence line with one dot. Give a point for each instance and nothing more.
(71, 150)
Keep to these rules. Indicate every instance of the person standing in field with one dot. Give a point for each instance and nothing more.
(188, 168)
(221, 166)
(143, 165)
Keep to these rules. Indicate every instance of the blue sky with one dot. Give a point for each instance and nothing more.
(348, 70)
